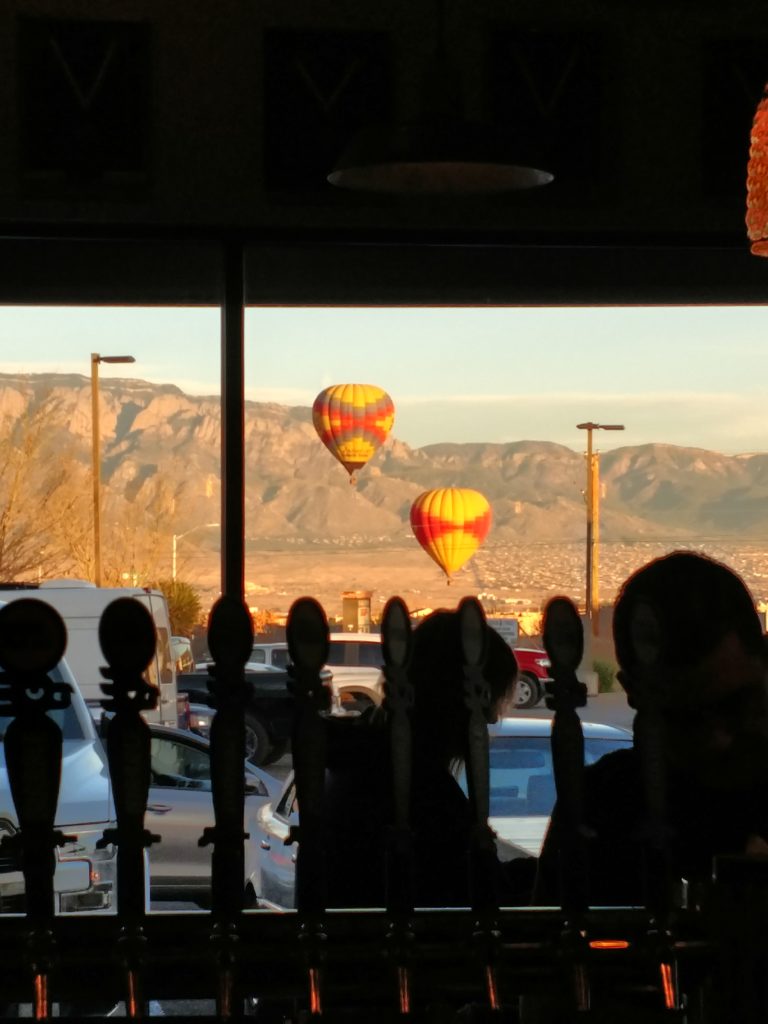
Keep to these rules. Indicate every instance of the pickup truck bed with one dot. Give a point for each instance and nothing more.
(268, 716)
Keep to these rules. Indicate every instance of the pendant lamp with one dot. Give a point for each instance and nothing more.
(439, 151)
(757, 180)
(436, 156)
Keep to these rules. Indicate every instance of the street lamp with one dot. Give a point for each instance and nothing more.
(593, 522)
(178, 536)
(96, 456)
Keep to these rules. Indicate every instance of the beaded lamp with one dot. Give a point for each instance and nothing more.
(757, 180)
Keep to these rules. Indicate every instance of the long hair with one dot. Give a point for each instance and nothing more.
(436, 670)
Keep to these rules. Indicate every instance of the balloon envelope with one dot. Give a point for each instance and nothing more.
(352, 421)
(451, 523)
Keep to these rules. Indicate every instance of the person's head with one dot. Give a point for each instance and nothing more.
(687, 634)
(437, 673)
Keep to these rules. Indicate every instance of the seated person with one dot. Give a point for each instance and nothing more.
(358, 806)
(688, 637)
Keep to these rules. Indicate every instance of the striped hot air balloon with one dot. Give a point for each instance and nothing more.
(352, 421)
(450, 523)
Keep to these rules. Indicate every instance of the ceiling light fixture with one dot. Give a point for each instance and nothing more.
(440, 152)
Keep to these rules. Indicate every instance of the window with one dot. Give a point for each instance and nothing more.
(178, 765)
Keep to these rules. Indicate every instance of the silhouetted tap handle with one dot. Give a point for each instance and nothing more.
(307, 636)
(477, 699)
(397, 644)
(230, 639)
(649, 697)
(482, 851)
(32, 642)
(308, 644)
(127, 638)
(564, 643)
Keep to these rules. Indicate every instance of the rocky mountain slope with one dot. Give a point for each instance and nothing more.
(160, 457)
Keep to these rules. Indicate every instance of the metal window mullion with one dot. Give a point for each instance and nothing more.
(233, 424)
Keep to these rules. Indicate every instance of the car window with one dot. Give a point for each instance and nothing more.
(352, 652)
(336, 653)
(178, 765)
(521, 774)
(280, 657)
(66, 718)
(259, 656)
(163, 655)
(288, 804)
(369, 655)
(522, 782)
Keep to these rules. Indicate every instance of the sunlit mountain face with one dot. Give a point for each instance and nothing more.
(160, 455)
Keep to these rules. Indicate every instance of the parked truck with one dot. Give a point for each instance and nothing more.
(80, 605)
(532, 663)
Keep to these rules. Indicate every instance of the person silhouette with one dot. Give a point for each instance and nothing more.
(358, 803)
(692, 660)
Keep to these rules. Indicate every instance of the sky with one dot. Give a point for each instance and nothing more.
(693, 376)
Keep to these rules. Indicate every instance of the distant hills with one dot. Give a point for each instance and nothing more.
(161, 460)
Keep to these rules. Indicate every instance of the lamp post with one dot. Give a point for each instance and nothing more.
(178, 536)
(593, 523)
(96, 455)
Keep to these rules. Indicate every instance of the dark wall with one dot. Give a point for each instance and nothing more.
(231, 112)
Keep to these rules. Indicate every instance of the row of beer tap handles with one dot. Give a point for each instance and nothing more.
(32, 641)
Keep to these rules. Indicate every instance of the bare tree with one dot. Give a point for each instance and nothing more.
(42, 505)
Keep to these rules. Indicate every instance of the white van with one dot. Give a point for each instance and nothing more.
(85, 878)
(80, 604)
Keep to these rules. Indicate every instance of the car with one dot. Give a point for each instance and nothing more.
(180, 807)
(268, 715)
(533, 675)
(85, 879)
(522, 783)
(354, 660)
(273, 654)
(200, 719)
(250, 666)
(522, 794)
(354, 667)
(181, 651)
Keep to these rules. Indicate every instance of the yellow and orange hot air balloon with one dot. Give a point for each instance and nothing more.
(451, 523)
(352, 421)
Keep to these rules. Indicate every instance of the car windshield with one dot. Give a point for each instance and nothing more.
(66, 718)
(521, 778)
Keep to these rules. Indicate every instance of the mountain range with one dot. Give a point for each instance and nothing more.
(160, 453)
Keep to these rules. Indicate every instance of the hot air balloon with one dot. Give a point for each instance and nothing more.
(352, 421)
(450, 523)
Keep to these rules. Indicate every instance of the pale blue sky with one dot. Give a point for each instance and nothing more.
(684, 375)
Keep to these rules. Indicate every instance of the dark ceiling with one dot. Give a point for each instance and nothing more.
(193, 121)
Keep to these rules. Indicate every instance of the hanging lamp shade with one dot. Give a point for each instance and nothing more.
(757, 180)
(437, 156)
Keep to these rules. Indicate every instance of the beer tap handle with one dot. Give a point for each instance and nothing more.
(397, 643)
(230, 638)
(482, 853)
(128, 640)
(32, 642)
(308, 645)
(649, 727)
(564, 643)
